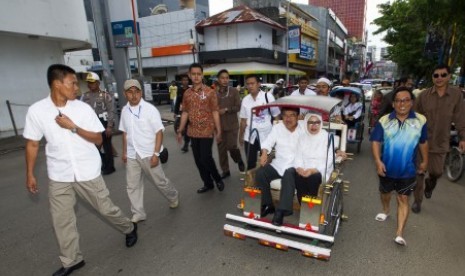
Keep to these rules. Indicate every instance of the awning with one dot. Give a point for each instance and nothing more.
(246, 68)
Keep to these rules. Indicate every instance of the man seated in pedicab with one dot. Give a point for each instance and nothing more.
(313, 161)
(283, 138)
(352, 111)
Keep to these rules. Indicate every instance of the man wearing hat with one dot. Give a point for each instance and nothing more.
(278, 90)
(102, 103)
(142, 143)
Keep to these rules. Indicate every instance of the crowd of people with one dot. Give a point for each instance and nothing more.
(409, 145)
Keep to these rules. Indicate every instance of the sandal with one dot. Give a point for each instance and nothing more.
(381, 217)
(400, 241)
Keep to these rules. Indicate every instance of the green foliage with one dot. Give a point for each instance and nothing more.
(406, 23)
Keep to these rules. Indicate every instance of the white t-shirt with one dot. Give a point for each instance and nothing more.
(141, 124)
(70, 157)
(307, 92)
(261, 121)
(285, 143)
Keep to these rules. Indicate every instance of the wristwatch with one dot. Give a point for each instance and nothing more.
(157, 154)
(74, 130)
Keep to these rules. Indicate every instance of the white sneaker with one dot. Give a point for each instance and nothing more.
(175, 204)
(137, 219)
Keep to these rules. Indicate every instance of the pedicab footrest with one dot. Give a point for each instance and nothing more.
(252, 199)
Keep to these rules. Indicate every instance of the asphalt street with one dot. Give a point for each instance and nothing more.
(189, 240)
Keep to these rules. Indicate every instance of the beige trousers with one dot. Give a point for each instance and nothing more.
(62, 198)
(136, 169)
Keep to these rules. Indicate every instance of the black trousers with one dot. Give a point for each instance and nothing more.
(107, 157)
(263, 178)
(202, 149)
(251, 151)
(304, 185)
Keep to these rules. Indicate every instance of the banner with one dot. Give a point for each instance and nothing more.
(307, 49)
(294, 39)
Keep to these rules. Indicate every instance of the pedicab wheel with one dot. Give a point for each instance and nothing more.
(454, 164)
(333, 211)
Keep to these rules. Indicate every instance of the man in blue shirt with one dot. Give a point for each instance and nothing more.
(401, 133)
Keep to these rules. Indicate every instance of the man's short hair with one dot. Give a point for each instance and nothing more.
(58, 72)
(253, 76)
(303, 78)
(184, 76)
(442, 66)
(287, 108)
(196, 65)
(402, 89)
(221, 72)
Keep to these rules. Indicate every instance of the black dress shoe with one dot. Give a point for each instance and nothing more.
(185, 148)
(68, 270)
(278, 218)
(220, 185)
(225, 175)
(416, 207)
(266, 209)
(241, 166)
(204, 189)
(131, 238)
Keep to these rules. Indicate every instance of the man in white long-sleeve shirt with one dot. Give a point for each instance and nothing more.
(283, 137)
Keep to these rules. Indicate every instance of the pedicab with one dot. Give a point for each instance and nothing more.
(355, 130)
(319, 217)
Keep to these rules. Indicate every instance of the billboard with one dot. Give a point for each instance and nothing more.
(294, 39)
(153, 7)
(307, 49)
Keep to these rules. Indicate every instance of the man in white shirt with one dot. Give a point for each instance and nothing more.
(303, 88)
(142, 143)
(261, 122)
(71, 129)
(283, 138)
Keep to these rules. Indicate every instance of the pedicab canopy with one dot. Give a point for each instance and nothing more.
(320, 104)
(346, 90)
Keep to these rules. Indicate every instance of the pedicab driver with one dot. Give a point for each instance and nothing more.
(402, 133)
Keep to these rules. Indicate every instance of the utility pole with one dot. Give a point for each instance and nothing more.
(108, 78)
(136, 33)
(287, 42)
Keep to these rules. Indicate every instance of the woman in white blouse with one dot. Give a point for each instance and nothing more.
(352, 111)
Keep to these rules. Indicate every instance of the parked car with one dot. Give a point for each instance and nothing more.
(160, 92)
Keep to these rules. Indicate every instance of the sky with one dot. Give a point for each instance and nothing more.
(217, 6)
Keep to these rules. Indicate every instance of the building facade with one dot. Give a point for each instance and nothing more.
(351, 12)
(332, 42)
(31, 43)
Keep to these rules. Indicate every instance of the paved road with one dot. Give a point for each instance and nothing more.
(190, 241)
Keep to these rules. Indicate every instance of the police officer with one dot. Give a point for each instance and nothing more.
(102, 103)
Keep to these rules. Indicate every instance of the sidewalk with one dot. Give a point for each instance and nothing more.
(14, 143)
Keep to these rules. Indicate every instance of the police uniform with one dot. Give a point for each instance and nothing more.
(102, 103)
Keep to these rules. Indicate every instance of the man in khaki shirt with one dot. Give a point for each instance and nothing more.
(442, 105)
(229, 104)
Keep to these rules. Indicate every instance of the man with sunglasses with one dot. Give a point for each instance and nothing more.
(442, 105)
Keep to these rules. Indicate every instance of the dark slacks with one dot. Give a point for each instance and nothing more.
(435, 169)
(202, 150)
(263, 178)
(228, 143)
(304, 185)
(251, 151)
(107, 157)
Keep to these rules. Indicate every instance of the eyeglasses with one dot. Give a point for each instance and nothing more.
(313, 122)
(397, 101)
(443, 75)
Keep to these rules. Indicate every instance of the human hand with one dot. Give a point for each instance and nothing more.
(263, 159)
(179, 136)
(422, 168)
(108, 131)
(222, 111)
(124, 157)
(154, 161)
(31, 185)
(218, 137)
(380, 168)
(64, 121)
(462, 146)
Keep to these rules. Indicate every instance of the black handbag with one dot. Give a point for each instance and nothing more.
(164, 155)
